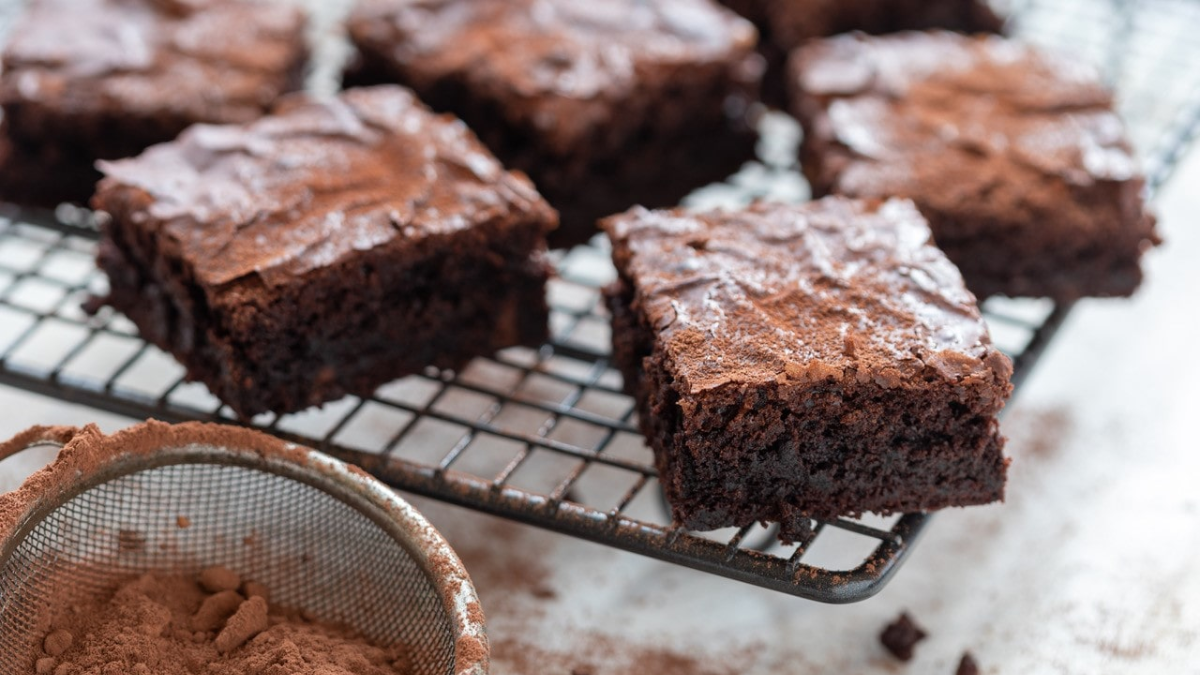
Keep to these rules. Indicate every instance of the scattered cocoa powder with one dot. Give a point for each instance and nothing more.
(1040, 433)
(175, 625)
(469, 649)
(508, 565)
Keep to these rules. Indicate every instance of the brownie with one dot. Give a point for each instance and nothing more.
(901, 636)
(603, 104)
(103, 79)
(1013, 154)
(967, 665)
(811, 361)
(787, 24)
(325, 249)
(44, 176)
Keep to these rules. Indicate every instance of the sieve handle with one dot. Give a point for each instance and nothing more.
(35, 436)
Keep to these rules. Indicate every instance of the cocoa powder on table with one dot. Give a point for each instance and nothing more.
(177, 625)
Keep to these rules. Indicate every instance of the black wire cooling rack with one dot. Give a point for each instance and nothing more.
(545, 436)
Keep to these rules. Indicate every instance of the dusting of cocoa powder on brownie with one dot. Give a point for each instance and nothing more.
(967, 665)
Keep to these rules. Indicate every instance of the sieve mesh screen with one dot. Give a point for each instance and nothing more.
(315, 552)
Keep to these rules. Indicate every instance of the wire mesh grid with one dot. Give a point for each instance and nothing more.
(546, 436)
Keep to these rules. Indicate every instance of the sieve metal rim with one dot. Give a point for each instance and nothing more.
(88, 458)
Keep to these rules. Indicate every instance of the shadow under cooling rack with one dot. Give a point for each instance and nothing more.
(546, 436)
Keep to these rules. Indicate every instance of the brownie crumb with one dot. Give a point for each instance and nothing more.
(901, 636)
(967, 665)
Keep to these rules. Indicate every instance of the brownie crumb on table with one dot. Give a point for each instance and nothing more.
(324, 250)
(787, 24)
(967, 665)
(104, 79)
(603, 104)
(810, 361)
(901, 636)
(1014, 154)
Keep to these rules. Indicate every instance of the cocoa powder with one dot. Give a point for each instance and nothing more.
(174, 625)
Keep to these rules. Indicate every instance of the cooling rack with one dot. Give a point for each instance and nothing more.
(545, 436)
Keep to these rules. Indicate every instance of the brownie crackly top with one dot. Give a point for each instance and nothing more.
(144, 56)
(904, 106)
(564, 64)
(317, 181)
(793, 294)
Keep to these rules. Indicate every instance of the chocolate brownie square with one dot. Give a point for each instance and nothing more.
(811, 361)
(604, 104)
(787, 24)
(325, 249)
(1013, 154)
(103, 79)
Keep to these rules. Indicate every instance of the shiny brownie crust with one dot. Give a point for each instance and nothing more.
(805, 362)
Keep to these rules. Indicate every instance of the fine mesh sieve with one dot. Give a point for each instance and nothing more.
(322, 536)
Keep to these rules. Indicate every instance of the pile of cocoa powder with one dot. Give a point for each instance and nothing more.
(212, 623)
